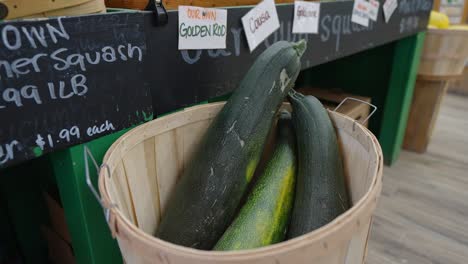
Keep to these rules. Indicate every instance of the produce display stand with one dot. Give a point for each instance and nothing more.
(443, 60)
(82, 103)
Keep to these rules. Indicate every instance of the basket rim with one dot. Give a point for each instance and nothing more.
(447, 31)
(364, 205)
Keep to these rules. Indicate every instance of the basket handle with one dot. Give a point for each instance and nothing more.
(361, 101)
(87, 154)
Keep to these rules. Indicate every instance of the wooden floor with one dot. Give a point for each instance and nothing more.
(422, 216)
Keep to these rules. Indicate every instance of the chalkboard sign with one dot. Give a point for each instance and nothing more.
(188, 77)
(67, 81)
(70, 80)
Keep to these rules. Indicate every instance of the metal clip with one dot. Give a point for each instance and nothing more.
(361, 101)
(87, 153)
(160, 13)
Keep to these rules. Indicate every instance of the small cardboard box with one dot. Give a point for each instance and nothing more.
(60, 252)
(57, 217)
(332, 98)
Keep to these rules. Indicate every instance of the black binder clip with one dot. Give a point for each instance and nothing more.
(160, 13)
(3, 11)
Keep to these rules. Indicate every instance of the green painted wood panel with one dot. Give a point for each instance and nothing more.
(400, 93)
(91, 238)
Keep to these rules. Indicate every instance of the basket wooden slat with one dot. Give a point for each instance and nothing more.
(146, 162)
(445, 53)
(47, 8)
(174, 4)
(22, 8)
(90, 7)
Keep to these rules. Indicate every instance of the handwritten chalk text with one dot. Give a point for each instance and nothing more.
(16, 97)
(62, 59)
(14, 38)
(7, 151)
(99, 129)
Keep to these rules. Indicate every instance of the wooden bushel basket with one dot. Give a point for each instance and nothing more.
(445, 53)
(141, 169)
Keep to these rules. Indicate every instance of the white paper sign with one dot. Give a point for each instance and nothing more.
(373, 9)
(306, 17)
(260, 22)
(202, 28)
(360, 13)
(388, 8)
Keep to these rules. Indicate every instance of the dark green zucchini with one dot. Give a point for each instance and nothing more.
(205, 200)
(321, 193)
(264, 218)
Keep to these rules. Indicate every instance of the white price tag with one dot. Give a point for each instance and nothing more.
(360, 13)
(260, 22)
(373, 9)
(306, 17)
(388, 8)
(202, 28)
